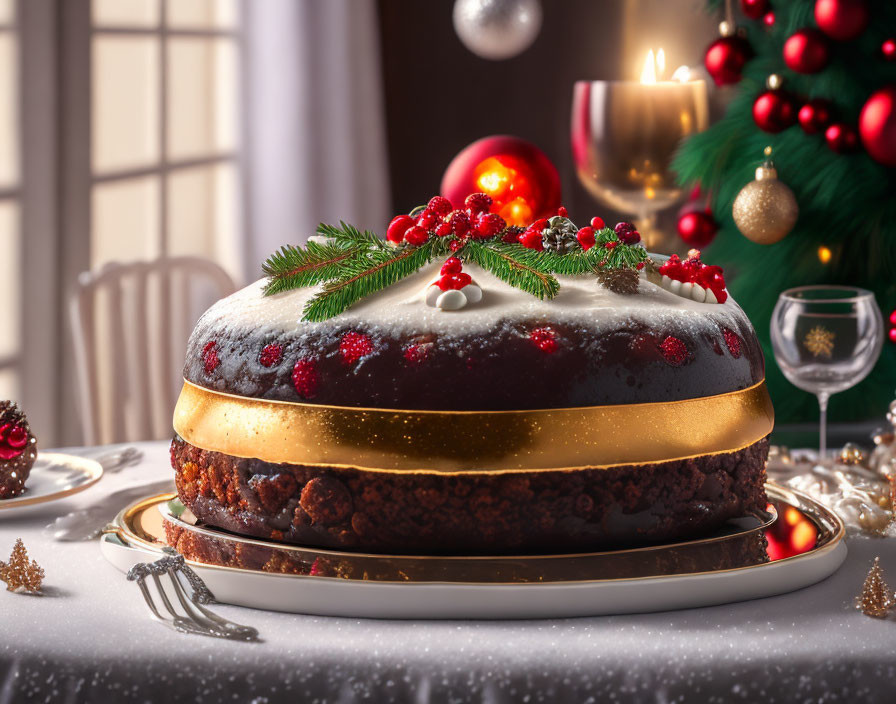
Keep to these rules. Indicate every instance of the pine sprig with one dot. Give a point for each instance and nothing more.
(294, 267)
(365, 274)
(350, 234)
(572, 263)
(522, 268)
(597, 258)
(620, 256)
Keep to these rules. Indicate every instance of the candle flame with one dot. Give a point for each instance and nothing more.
(654, 66)
(648, 74)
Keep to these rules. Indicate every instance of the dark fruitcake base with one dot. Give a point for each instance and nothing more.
(739, 551)
(520, 512)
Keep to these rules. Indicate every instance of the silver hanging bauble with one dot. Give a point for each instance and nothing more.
(497, 29)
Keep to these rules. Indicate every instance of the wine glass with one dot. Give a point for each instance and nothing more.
(826, 339)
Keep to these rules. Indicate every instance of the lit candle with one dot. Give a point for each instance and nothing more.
(625, 134)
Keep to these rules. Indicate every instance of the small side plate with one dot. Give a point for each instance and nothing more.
(55, 476)
(497, 587)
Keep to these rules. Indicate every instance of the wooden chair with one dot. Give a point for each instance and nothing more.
(130, 324)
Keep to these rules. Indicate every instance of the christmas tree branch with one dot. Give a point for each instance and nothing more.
(294, 267)
(522, 268)
(366, 274)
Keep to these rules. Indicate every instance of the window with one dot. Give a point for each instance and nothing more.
(120, 139)
(164, 131)
(11, 284)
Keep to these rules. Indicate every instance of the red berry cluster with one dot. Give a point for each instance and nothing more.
(585, 235)
(13, 439)
(354, 346)
(674, 351)
(270, 355)
(304, 377)
(544, 339)
(694, 271)
(452, 276)
(440, 219)
(733, 342)
(627, 233)
(210, 359)
(532, 237)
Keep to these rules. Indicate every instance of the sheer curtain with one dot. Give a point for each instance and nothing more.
(315, 121)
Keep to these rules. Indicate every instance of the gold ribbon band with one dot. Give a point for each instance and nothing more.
(459, 442)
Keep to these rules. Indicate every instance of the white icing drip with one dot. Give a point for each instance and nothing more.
(401, 309)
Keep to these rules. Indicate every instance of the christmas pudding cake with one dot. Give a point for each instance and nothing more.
(465, 386)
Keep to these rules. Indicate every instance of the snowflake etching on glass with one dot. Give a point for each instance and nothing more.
(819, 341)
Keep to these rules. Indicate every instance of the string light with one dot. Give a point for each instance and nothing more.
(824, 254)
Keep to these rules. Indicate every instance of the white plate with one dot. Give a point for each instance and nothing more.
(55, 476)
(338, 597)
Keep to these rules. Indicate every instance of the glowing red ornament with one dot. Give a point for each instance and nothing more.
(726, 57)
(774, 111)
(888, 49)
(697, 228)
(523, 183)
(842, 138)
(754, 9)
(815, 116)
(892, 334)
(841, 19)
(893, 318)
(806, 51)
(877, 125)
(769, 19)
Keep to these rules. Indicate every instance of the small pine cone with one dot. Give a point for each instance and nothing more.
(560, 235)
(620, 280)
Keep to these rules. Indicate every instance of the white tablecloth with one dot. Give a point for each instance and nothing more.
(90, 639)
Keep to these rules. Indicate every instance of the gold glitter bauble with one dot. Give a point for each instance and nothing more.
(851, 454)
(765, 210)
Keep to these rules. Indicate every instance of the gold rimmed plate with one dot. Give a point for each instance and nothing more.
(760, 557)
(55, 476)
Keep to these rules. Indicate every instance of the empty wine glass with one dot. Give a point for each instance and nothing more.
(826, 339)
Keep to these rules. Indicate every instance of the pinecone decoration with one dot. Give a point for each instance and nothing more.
(619, 280)
(18, 450)
(560, 235)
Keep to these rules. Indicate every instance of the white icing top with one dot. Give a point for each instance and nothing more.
(401, 308)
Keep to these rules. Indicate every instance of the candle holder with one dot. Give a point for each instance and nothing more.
(624, 136)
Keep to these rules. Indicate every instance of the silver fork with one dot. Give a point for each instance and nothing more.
(194, 617)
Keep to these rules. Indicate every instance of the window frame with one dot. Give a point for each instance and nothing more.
(77, 177)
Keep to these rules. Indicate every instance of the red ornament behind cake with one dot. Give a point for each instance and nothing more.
(519, 178)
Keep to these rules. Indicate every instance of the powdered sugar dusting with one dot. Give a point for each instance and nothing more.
(401, 309)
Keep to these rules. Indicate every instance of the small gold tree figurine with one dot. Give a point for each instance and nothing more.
(20, 573)
(875, 599)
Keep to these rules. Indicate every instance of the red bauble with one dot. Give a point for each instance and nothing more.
(815, 116)
(725, 59)
(806, 51)
(521, 180)
(892, 334)
(769, 19)
(697, 228)
(893, 318)
(754, 9)
(842, 138)
(888, 49)
(774, 111)
(877, 125)
(841, 19)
